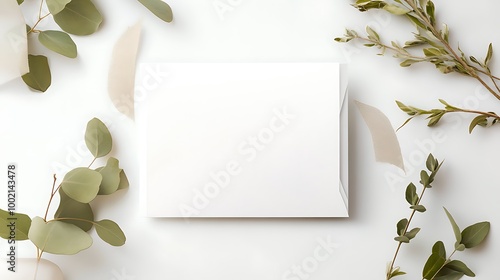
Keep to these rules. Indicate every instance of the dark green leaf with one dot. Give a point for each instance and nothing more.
(439, 249)
(424, 178)
(430, 8)
(401, 226)
(72, 209)
(475, 234)
(58, 42)
(110, 232)
(418, 208)
(79, 17)
(431, 163)
(403, 239)
(480, 120)
(97, 138)
(412, 233)
(39, 77)
(432, 266)
(448, 274)
(456, 229)
(20, 2)
(21, 228)
(159, 9)
(460, 267)
(411, 194)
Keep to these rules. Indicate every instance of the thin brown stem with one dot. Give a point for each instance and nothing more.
(52, 194)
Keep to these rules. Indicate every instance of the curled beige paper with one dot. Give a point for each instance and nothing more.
(122, 70)
(13, 42)
(385, 141)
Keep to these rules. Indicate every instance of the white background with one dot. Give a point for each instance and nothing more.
(40, 131)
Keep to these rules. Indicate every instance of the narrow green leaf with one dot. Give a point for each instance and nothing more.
(59, 42)
(415, 21)
(408, 62)
(401, 225)
(159, 8)
(20, 228)
(110, 177)
(110, 232)
(475, 234)
(432, 266)
(489, 54)
(79, 17)
(481, 120)
(439, 249)
(56, 6)
(460, 267)
(411, 194)
(98, 138)
(396, 272)
(72, 209)
(456, 229)
(39, 77)
(60, 238)
(81, 184)
(396, 10)
(418, 208)
(372, 34)
(430, 8)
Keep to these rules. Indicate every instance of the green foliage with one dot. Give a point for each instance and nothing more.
(438, 266)
(430, 44)
(67, 233)
(76, 17)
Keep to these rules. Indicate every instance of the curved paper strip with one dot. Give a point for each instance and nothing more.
(13, 42)
(385, 141)
(122, 70)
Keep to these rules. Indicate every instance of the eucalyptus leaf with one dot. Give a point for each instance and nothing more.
(110, 232)
(459, 266)
(424, 179)
(489, 54)
(56, 6)
(60, 238)
(72, 209)
(39, 77)
(79, 17)
(97, 138)
(480, 120)
(412, 233)
(59, 42)
(432, 266)
(418, 208)
(372, 34)
(21, 228)
(439, 249)
(475, 234)
(159, 8)
(411, 194)
(403, 239)
(82, 184)
(448, 274)
(396, 10)
(20, 2)
(124, 184)
(456, 229)
(401, 225)
(110, 177)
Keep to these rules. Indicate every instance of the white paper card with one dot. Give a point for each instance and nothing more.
(241, 139)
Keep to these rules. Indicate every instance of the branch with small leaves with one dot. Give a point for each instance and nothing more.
(430, 44)
(75, 17)
(438, 265)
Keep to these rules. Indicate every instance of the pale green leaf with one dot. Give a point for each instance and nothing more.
(480, 120)
(97, 138)
(456, 229)
(21, 228)
(475, 234)
(60, 238)
(110, 177)
(56, 6)
(71, 209)
(412, 233)
(159, 8)
(489, 54)
(82, 184)
(79, 17)
(110, 232)
(124, 184)
(59, 42)
(396, 10)
(39, 77)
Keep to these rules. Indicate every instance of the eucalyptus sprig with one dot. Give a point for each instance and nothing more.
(75, 17)
(438, 265)
(67, 233)
(430, 44)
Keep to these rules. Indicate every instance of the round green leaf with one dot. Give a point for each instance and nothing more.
(81, 184)
(56, 6)
(98, 138)
(475, 234)
(110, 232)
(110, 177)
(39, 77)
(59, 42)
(79, 17)
(23, 223)
(56, 237)
(70, 208)
(159, 9)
